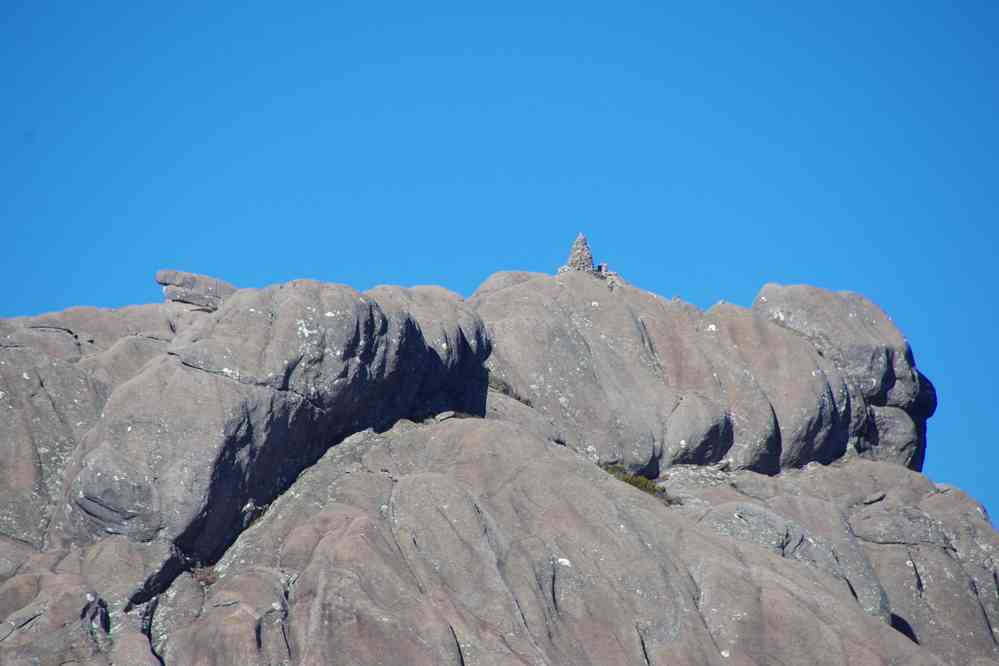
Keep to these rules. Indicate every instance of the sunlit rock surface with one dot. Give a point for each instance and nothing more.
(307, 474)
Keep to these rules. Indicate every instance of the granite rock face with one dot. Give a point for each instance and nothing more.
(632, 378)
(306, 474)
(872, 356)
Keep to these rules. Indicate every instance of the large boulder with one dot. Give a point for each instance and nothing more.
(893, 398)
(631, 378)
(200, 290)
(240, 403)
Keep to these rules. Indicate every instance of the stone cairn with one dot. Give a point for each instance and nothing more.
(581, 261)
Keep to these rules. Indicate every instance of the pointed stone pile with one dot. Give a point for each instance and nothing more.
(580, 256)
(581, 261)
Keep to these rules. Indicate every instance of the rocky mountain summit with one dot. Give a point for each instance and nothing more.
(557, 470)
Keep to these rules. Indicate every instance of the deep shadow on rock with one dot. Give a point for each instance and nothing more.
(240, 403)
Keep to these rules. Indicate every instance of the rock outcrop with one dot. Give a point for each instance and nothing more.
(194, 289)
(859, 339)
(306, 474)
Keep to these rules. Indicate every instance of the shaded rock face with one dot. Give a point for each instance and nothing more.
(892, 398)
(306, 474)
(240, 402)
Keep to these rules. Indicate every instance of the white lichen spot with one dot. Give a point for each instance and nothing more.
(303, 330)
(564, 562)
(25, 375)
(712, 328)
(726, 654)
(595, 304)
(330, 314)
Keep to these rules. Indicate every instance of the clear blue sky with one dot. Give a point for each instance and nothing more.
(705, 150)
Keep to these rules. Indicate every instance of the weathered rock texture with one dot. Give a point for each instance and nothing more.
(306, 474)
(859, 339)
